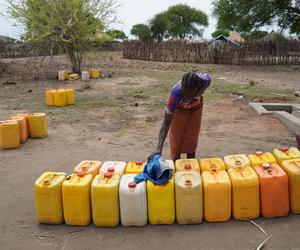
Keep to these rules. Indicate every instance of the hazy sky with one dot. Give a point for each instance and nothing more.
(132, 12)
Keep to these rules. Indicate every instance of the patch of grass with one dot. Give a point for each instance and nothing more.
(155, 106)
(250, 92)
(94, 102)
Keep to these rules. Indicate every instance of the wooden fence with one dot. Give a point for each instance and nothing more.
(249, 53)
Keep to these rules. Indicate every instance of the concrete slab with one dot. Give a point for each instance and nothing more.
(270, 108)
(290, 121)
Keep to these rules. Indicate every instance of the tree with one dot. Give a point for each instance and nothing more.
(184, 20)
(117, 34)
(244, 16)
(73, 26)
(142, 32)
(255, 34)
(159, 26)
(219, 33)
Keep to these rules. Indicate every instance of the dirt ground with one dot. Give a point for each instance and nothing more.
(118, 118)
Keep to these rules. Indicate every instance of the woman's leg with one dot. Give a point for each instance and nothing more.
(190, 155)
(175, 157)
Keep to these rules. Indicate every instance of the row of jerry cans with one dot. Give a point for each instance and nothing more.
(59, 97)
(241, 192)
(86, 75)
(20, 127)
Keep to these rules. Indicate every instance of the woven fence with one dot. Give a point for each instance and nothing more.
(250, 53)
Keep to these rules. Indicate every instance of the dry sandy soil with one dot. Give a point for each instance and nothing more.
(118, 118)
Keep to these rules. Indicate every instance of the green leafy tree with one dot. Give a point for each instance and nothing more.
(142, 32)
(244, 16)
(118, 34)
(159, 26)
(184, 20)
(73, 26)
(219, 33)
(254, 35)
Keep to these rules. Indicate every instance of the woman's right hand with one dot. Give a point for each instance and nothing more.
(154, 153)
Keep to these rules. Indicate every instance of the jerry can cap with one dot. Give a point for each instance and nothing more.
(259, 153)
(108, 174)
(139, 163)
(132, 184)
(80, 174)
(284, 149)
(187, 166)
(266, 165)
(238, 162)
(111, 170)
(188, 182)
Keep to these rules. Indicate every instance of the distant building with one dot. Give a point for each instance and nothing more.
(234, 36)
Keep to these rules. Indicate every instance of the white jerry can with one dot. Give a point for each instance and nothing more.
(133, 201)
(85, 76)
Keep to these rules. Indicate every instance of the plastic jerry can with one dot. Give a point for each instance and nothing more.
(171, 165)
(22, 127)
(135, 167)
(88, 167)
(188, 196)
(274, 191)
(217, 196)
(212, 164)
(49, 98)
(48, 197)
(26, 116)
(236, 161)
(76, 194)
(116, 167)
(70, 96)
(161, 203)
(85, 76)
(60, 97)
(245, 193)
(105, 200)
(63, 75)
(285, 153)
(73, 77)
(259, 158)
(133, 201)
(9, 134)
(187, 165)
(292, 169)
(38, 125)
(94, 73)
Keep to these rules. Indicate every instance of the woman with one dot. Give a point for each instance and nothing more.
(183, 116)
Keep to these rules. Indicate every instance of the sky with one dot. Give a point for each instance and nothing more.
(130, 13)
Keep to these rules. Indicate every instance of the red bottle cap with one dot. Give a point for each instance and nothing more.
(139, 163)
(111, 170)
(259, 153)
(108, 175)
(132, 184)
(284, 149)
(187, 166)
(80, 174)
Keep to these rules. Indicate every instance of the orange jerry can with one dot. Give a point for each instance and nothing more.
(88, 167)
(22, 127)
(274, 190)
(49, 99)
(26, 116)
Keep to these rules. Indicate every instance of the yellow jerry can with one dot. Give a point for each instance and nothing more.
(259, 158)
(9, 134)
(161, 203)
(73, 77)
(94, 73)
(38, 125)
(285, 153)
(70, 96)
(188, 196)
(116, 167)
(187, 165)
(236, 161)
(48, 197)
(76, 194)
(60, 97)
(88, 167)
(26, 116)
(212, 164)
(135, 167)
(105, 200)
(217, 196)
(292, 168)
(49, 98)
(22, 127)
(245, 193)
